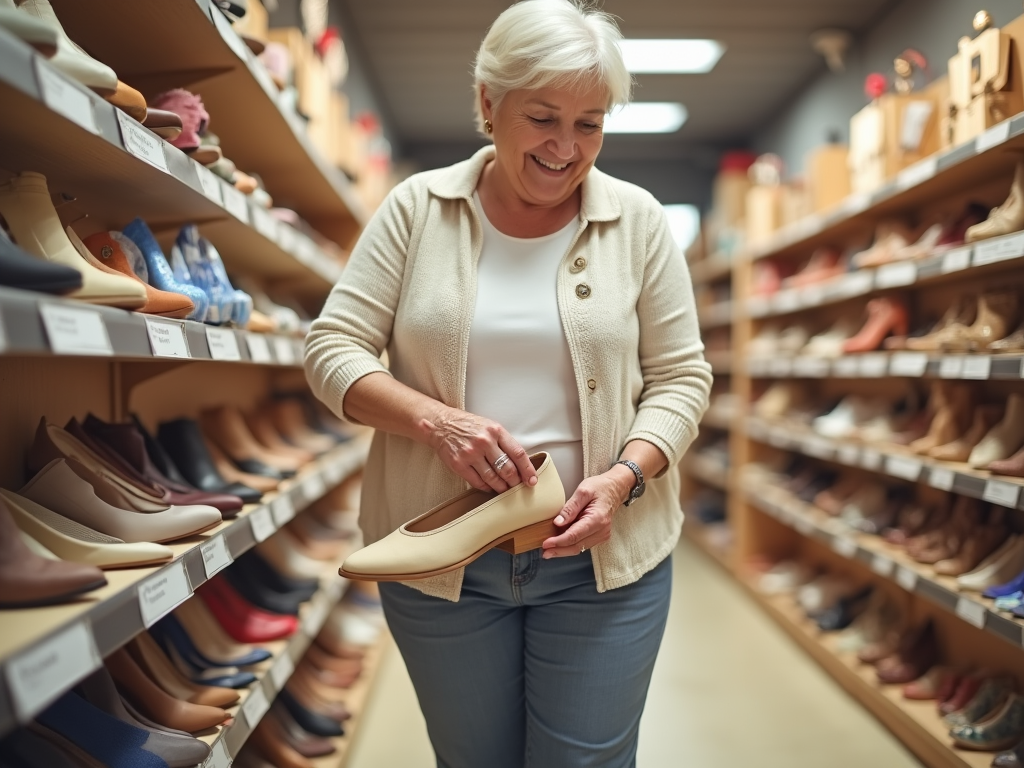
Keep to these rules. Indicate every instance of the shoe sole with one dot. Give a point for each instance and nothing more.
(192, 533)
(515, 543)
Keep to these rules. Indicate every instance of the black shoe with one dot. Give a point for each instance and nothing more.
(261, 595)
(314, 722)
(256, 569)
(1011, 758)
(185, 450)
(19, 269)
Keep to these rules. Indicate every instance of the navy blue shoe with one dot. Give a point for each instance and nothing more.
(169, 631)
(1016, 584)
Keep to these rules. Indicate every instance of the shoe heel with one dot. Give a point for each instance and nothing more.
(530, 537)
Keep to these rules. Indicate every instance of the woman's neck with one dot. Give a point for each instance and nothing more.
(513, 216)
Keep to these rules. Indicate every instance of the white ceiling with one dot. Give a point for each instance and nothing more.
(419, 55)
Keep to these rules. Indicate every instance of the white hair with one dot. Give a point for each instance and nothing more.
(545, 43)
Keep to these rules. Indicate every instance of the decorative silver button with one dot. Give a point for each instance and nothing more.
(583, 290)
(578, 265)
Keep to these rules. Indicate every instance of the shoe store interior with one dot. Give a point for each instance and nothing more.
(182, 492)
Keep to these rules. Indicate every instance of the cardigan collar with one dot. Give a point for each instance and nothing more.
(459, 182)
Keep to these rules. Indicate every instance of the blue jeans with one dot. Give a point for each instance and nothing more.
(532, 668)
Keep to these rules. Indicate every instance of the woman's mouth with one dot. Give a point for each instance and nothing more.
(554, 167)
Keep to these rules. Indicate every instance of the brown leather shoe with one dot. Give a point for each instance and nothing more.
(151, 659)
(270, 739)
(985, 417)
(113, 249)
(165, 124)
(997, 314)
(28, 579)
(129, 101)
(955, 321)
(954, 405)
(918, 652)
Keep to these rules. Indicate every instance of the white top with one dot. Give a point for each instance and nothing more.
(519, 371)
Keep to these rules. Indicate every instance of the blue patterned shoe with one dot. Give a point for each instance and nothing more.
(1001, 730)
(1009, 602)
(992, 695)
(187, 249)
(160, 274)
(242, 304)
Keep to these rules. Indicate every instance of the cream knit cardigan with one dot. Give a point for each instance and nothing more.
(626, 303)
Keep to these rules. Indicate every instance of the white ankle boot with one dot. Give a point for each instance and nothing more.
(70, 58)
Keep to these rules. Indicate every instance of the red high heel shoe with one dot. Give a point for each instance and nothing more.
(885, 317)
(240, 619)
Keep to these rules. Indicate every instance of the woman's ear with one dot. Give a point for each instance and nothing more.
(486, 109)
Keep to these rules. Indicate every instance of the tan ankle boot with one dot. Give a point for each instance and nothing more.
(1007, 218)
(997, 313)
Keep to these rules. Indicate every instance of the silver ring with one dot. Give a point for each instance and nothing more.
(501, 461)
(583, 549)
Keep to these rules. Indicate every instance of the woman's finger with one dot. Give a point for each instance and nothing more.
(577, 533)
(508, 471)
(576, 504)
(519, 456)
(577, 549)
(489, 476)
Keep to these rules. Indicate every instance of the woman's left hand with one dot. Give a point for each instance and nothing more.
(588, 513)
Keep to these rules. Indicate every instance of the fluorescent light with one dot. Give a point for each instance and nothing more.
(646, 117)
(671, 56)
(683, 223)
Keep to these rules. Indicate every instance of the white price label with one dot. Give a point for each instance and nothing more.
(803, 526)
(787, 300)
(896, 274)
(874, 365)
(283, 509)
(259, 349)
(313, 487)
(951, 367)
(223, 344)
(993, 137)
(219, 757)
(971, 612)
(166, 338)
(811, 367)
(1002, 493)
(780, 366)
(38, 676)
(215, 556)
(778, 437)
(235, 43)
(977, 367)
(265, 224)
(848, 454)
(73, 331)
(284, 351)
(999, 249)
(941, 478)
(855, 283)
(903, 467)
(64, 98)
(235, 203)
(812, 295)
(262, 524)
(906, 578)
(282, 671)
(210, 183)
(908, 364)
(956, 259)
(140, 142)
(916, 174)
(819, 447)
(255, 706)
(855, 203)
(758, 366)
(3, 334)
(846, 367)
(882, 565)
(757, 306)
(286, 237)
(162, 593)
(871, 459)
(844, 546)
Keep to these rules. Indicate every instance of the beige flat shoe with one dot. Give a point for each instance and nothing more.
(457, 532)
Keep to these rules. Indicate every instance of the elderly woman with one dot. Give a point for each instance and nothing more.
(527, 302)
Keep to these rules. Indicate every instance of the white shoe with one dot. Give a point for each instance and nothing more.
(998, 568)
(830, 343)
(69, 540)
(458, 531)
(40, 35)
(59, 488)
(1005, 438)
(846, 418)
(70, 58)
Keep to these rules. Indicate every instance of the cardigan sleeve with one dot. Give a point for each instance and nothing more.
(676, 378)
(346, 342)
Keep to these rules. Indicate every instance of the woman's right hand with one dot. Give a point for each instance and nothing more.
(469, 445)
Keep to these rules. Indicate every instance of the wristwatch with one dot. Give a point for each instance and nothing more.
(640, 487)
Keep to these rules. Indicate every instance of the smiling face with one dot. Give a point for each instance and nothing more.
(546, 140)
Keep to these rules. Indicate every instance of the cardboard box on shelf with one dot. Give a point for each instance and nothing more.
(764, 213)
(889, 134)
(828, 176)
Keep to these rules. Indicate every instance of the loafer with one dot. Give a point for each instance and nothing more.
(181, 454)
(455, 533)
(1001, 729)
(170, 632)
(990, 697)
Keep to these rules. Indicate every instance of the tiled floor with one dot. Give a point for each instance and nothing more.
(729, 690)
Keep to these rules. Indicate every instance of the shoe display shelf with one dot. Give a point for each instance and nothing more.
(714, 268)
(73, 637)
(190, 44)
(37, 324)
(885, 560)
(877, 365)
(709, 472)
(893, 461)
(716, 315)
(720, 360)
(108, 167)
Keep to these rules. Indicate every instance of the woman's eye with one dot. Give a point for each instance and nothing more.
(541, 120)
(589, 126)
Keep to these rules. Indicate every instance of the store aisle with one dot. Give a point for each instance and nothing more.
(729, 689)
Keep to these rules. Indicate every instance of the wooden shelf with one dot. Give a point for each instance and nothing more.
(885, 560)
(703, 536)
(111, 616)
(23, 332)
(715, 316)
(84, 157)
(940, 176)
(720, 360)
(707, 470)
(894, 461)
(183, 44)
(718, 418)
(880, 365)
(916, 723)
(710, 270)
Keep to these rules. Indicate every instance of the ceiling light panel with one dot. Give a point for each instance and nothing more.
(686, 57)
(646, 117)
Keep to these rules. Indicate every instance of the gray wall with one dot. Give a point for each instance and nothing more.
(827, 104)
